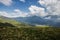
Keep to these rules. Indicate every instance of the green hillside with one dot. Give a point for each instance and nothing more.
(13, 30)
(11, 22)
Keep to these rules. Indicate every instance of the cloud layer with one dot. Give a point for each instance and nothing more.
(22, 0)
(52, 8)
(38, 11)
(6, 2)
(15, 13)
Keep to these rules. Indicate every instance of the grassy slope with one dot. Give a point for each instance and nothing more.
(27, 33)
(13, 22)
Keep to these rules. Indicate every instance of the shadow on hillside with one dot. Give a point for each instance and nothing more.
(6, 25)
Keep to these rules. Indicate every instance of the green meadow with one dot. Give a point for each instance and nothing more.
(13, 30)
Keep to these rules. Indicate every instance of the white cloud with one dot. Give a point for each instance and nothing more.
(51, 10)
(16, 10)
(52, 7)
(48, 17)
(6, 2)
(15, 13)
(22, 0)
(47, 2)
(19, 13)
(3, 13)
(38, 11)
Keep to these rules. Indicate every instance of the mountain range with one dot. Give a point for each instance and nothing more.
(33, 20)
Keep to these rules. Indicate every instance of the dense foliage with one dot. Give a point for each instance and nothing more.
(13, 33)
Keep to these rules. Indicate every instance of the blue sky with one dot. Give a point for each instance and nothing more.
(8, 7)
(17, 4)
(47, 9)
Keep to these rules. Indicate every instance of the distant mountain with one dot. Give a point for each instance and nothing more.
(33, 20)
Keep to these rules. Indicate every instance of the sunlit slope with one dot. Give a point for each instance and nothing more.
(7, 21)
